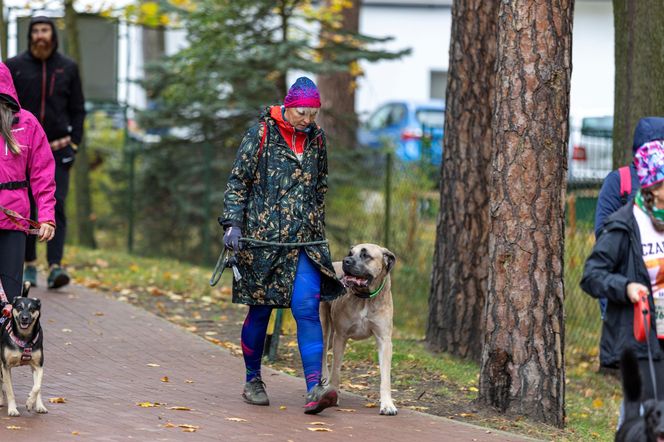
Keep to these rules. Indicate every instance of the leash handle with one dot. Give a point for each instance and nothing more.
(15, 217)
(645, 311)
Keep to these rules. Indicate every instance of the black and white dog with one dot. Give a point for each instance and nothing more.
(648, 427)
(21, 343)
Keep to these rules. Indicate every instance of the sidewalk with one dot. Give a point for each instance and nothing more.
(104, 357)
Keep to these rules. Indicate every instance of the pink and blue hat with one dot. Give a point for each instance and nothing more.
(649, 162)
(303, 93)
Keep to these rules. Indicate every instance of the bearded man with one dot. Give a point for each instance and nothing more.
(49, 85)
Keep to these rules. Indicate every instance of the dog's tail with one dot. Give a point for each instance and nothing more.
(26, 289)
(631, 383)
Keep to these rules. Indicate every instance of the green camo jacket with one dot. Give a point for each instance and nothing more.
(272, 196)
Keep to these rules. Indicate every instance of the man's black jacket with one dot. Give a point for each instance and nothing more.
(615, 261)
(51, 90)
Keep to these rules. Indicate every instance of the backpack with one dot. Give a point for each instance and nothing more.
(625, 183)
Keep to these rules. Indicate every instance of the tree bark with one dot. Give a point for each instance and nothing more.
(639, 77)
(3, 31)
(522, 367)
(460, 269)
(337, 90)
(84, 214)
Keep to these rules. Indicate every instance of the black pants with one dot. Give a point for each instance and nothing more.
(12, 245)
(54, 248)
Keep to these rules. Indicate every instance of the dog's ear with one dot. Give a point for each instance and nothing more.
(649, 406)
(26, 289)
(37, 303)
(389, 259)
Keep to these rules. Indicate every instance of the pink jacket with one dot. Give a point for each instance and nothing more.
(35, 160)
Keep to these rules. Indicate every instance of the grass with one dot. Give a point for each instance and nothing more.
(436, 383)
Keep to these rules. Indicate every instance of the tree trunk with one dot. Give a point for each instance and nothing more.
(337, 90)
(522, 369)
(639, 77)
(460, 269)
(84, 214)
(3, 31)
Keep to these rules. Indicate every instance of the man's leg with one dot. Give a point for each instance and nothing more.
(12, 244)
(55, 249)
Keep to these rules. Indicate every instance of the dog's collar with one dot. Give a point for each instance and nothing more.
(23, 345)
(373, 294)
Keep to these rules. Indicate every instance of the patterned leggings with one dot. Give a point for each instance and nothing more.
(304, 305)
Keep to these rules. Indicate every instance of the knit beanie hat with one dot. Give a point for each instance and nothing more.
(649, 162)
(303, 93)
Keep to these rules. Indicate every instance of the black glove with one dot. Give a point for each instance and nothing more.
(232, 238)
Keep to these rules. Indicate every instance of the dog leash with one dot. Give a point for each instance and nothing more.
(15, 218)
(651, 364)
(227, 258)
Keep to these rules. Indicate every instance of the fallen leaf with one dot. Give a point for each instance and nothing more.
(153, 365)
(211, 333)
(148, 404)
(57, 400)
(236, 419)
(195, 427)
(189, 430)
(464, 414)
(169, 425)
(66, 330)
(473, 389)
(188, 381)
(598, 403)
(325, 429)
(180, 408)
(99, 313)
(164, 379)
(317, 423)
(346, 410)
(214, 340)
(134, 268)
(282, 407)
(75, 433)
(13, 427)
(418, 407)
(371, 405)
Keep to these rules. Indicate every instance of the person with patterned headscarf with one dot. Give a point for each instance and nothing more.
(627, 263)
(274, 221)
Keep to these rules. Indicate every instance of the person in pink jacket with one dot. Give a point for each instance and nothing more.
(25, 161)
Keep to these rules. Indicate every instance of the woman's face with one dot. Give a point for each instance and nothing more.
(658, 192)
(301, 117)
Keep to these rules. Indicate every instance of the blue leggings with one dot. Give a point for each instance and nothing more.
(304, 305)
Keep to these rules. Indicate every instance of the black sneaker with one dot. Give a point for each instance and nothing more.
(320, 397)
(57, 278)
(254, 392)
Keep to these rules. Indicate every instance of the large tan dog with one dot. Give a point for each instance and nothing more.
(364, 310)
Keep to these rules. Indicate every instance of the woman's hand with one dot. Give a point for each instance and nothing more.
(635, 291)
(46, 232)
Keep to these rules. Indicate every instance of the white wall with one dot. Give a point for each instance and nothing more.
(426, 31)
(593, 64)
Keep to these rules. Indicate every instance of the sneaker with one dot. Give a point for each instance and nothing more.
(57, 277)
(320, 397)
(30, 275)
(254, 392)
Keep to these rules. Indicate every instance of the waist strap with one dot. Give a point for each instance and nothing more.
(14, 185)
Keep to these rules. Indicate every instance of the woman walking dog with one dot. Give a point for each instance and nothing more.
(276, 198)
(627, 262)
(24, 155)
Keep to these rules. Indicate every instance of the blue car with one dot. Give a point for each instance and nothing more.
(405, 125)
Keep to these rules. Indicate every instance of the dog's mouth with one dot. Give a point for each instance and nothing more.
(24, 324)
(354, 281)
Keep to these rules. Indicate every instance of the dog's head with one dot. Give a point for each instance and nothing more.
(26, 312)
(366, 263)
(653, 414)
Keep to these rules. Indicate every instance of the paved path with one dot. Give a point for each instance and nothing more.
(101, 354)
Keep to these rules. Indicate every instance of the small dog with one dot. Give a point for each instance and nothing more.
(364, 310)
(21, 343)
(637, 428)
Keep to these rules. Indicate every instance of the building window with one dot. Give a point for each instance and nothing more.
(438, 84)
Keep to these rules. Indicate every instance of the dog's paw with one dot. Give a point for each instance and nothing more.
(388, 410)
(13, 412)
(41, 409)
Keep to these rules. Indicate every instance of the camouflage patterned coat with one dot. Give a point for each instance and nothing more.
(273, 196)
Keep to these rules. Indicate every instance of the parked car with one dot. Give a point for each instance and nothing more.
(414, 129)
(591, 149)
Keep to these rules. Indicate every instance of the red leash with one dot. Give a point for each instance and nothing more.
(15, 218)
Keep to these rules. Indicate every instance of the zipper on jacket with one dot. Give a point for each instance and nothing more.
(43, 97)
